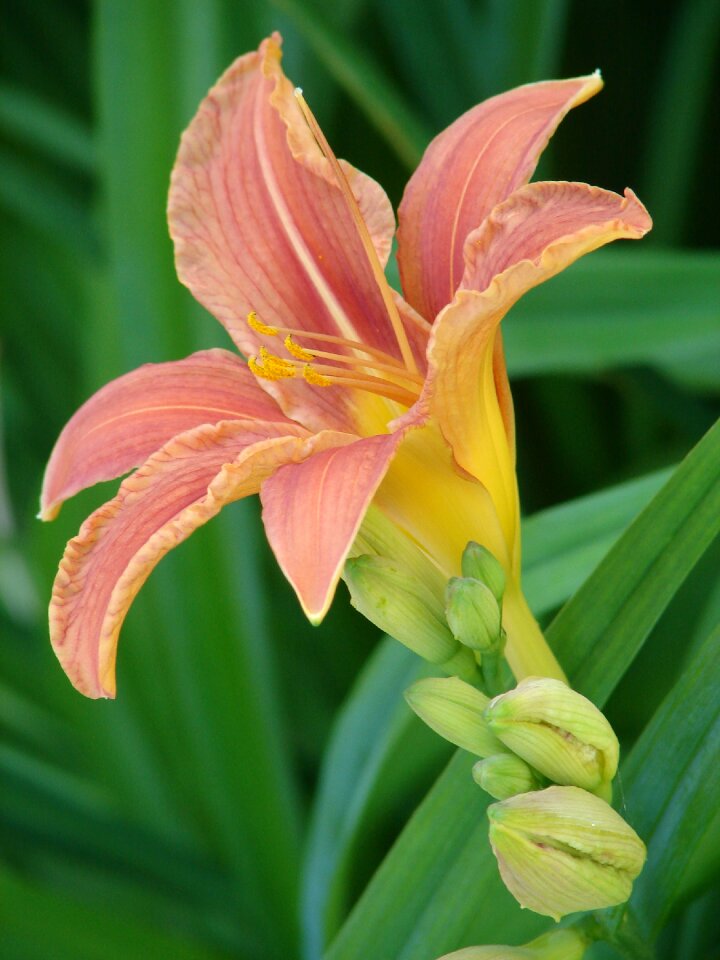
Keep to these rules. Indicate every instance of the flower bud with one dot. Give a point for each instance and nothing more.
(480, 564)
(504, 775)
(473, 614)
(400, 604)
(555, 945)
(558, 732)
(454, 710)
(563, 849)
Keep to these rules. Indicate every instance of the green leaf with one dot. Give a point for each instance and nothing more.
(678, 116)
(70, 928)
(671, 783)
(598, 633)
(47, 206)
(39, 124)
(563, 544)
(373, 722)
(364, 81)
(438, 888)
(647, 307)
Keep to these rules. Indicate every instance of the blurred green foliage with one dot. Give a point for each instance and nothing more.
(173, 822)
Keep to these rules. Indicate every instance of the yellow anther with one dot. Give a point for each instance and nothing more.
(315, 378)
(276, 365)
(259, 327)
(268, 370)
(297, 351)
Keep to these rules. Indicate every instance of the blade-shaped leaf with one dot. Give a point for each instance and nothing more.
(364, 81)
(652, 307)
(597, 634)
(373, 720)
(671, 784)
(562, 545)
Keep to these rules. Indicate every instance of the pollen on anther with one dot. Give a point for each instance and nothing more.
(315, 378)
(277, 365)
(296, 350)
(268, 370)
(259, 327)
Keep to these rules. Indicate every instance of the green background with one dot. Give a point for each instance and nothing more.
(176, 821)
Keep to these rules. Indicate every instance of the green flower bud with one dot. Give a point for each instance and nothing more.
(473, 614)
(555, 945)
(400, 604)
(454, 710)
(563, 849)
(504, 775)
(480, 564)
(558, 732)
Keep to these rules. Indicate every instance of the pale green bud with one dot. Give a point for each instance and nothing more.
(555, 945)
(454, 710)
(563, 849)
(473, 614)
(504, 775)
(399, 603)
(558, 732)
(480, 564)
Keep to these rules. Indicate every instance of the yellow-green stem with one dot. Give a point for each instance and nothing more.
(527, 651)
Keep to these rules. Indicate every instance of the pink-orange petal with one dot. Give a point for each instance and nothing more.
(467, 170)
(313, 510)
(128, 419)
(260, 223)
(541, 229)
(177, 490)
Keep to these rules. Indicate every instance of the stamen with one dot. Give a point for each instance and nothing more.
(315, 378)
(277, 365)
(381, 388)
(271, 371)
(398, 329)
(297, 351)
(256, 324)
(358, 362)
(259, 327)
(403, 387)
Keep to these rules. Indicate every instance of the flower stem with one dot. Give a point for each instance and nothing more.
(527, 651)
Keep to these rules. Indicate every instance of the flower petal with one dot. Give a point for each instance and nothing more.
(260, 222)
(312, 512)
(467, 170)
(541, 229)
(128, 419)
(177, 490)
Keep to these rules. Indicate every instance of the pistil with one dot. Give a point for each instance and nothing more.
(398, 329)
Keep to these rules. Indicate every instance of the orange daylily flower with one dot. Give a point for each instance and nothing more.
(352, 394)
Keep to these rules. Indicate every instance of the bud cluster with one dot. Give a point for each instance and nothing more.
(473, 608)
(541, 732)
(549, 756)
(456, 624)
